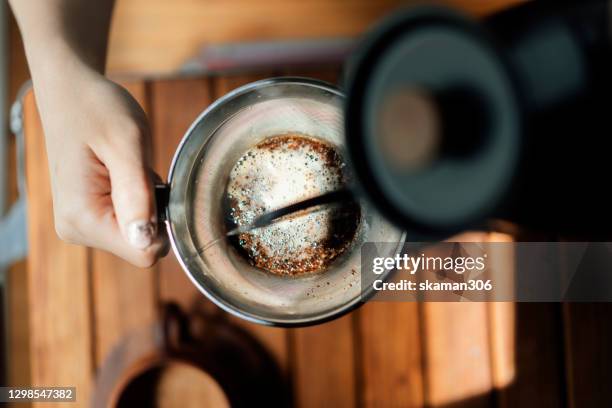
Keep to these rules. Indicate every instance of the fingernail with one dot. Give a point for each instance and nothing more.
(141, 233)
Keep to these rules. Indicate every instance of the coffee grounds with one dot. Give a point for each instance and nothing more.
(279, 171)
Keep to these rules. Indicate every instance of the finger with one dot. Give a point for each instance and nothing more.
(132, 191)
(108, 237)
(143, 258)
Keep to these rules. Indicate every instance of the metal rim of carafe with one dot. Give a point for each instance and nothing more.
(209, 115)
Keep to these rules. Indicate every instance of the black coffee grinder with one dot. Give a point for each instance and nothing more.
(453, 122)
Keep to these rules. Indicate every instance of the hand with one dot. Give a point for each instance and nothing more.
(98, 144)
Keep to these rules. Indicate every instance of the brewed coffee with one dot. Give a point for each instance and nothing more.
(279, 171)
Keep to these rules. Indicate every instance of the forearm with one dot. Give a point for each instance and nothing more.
(97, 136)
(65, 43)
(62, 34)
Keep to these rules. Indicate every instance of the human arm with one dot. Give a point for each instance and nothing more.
(97, 136)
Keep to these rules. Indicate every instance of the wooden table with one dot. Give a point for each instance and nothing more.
(76, 303)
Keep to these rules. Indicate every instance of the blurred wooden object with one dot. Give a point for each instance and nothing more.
(144, 30)
(159, 36)
(183, 386)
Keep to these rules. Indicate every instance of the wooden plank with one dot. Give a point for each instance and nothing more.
(325, 369)
(457, 365)
(138, 45)
(502, 314)
(502, 318)
(391, 356)
(518, 332)
(124, 296)
(538, 364)
(18, 326)
(274, 339)
(175, 104)
(588, 356)
(324, 364)
(58, 283)
(456, 354)
(123, 300)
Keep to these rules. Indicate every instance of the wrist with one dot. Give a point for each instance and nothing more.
(57, 73)
(55, 60)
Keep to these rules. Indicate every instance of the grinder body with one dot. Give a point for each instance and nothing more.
(520, 127)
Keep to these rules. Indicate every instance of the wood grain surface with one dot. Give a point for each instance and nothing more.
(174, 105)
(116, 283)
(390, 354)
(58, 283)
(588, 335)
(325, 369)
(276, 340)
(79, 303)
(157, 36)
(70, 306)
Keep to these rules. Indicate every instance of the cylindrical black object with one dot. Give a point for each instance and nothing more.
(452, 122)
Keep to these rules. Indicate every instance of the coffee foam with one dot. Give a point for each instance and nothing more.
(280, 171)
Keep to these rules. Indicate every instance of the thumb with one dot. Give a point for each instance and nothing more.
(133, 196)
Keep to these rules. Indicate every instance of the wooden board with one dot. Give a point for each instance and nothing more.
(157, 36)
(501, 315)
(324, 369)
(456, 354)
(538, 367)
(138, 45)
(456, 349)
(385, 354)
(588, 336)
(390, 354)
(531, 347)
(275, 340)
(116, 284)
(334, 380)
(434, 354)
(58, 284)
(174, 106)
